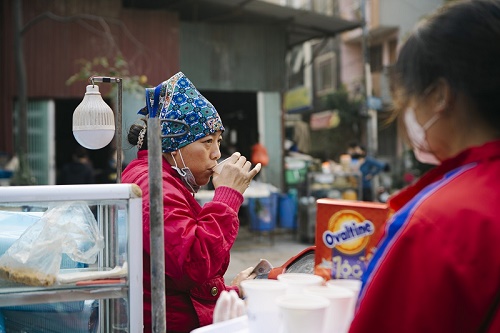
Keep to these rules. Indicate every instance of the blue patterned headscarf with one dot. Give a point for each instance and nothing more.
(189, 112)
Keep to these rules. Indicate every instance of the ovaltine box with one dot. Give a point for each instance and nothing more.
(346, 235)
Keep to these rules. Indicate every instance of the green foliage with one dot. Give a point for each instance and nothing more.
(102, 66)
(347, 107)
(331, 143)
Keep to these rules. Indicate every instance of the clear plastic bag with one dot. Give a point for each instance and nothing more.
(35, 258)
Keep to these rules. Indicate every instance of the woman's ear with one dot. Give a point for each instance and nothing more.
(442, 95)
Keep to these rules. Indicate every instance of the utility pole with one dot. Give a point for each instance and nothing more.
(370, 115)
(21, 77)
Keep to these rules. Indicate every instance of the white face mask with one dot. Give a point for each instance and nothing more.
(417, 136)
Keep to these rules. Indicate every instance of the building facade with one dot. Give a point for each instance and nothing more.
(60, 39)
(233, 50)
(356, 61)
(367, 54)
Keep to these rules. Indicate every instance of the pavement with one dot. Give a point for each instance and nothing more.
(277, 247)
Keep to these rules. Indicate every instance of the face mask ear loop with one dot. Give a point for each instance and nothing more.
(180, 171)
(180, 154)
(431, 122)
(186, 167)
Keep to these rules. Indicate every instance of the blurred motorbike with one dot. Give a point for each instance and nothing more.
(303, 262)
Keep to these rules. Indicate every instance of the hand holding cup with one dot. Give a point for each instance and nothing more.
(235, 172)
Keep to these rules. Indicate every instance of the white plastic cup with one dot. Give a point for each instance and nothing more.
(262, 310)
(296, 282)
(300, 313)
(338, 315)
(351, 284)
(218, 168)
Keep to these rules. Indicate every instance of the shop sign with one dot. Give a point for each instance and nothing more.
(325, 120)
(297, 100)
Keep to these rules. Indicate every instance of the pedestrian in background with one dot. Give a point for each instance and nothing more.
(368, 166)
(437, 267)
(77, 171)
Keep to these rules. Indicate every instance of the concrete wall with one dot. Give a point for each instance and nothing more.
(233, 57)
(406, 14)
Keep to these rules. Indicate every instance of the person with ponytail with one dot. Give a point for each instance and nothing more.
(437, 267)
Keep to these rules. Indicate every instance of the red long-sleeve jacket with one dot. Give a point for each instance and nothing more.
(437, 268)
(197, 245)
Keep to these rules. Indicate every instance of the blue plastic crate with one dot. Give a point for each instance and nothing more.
(6, 173)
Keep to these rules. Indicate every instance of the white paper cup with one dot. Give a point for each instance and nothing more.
(301, 313)
(296, 282)
(338, 315)
(351, 284)
(262, 310)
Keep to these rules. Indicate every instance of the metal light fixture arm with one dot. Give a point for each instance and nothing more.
(118, 119)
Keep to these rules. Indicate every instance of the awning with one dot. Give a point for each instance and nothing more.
(302, 25)
(374, 34)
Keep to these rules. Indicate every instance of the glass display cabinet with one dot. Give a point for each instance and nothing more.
(103, 294)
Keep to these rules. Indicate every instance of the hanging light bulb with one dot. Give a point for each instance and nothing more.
(93, 120)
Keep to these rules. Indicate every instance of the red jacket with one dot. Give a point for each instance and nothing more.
(197, 244)
(437, 268)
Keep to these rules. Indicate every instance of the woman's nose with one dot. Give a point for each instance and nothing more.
(215, 155)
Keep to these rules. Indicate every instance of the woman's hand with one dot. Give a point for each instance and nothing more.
(230, 305)
(243, 275)
(236, 173)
